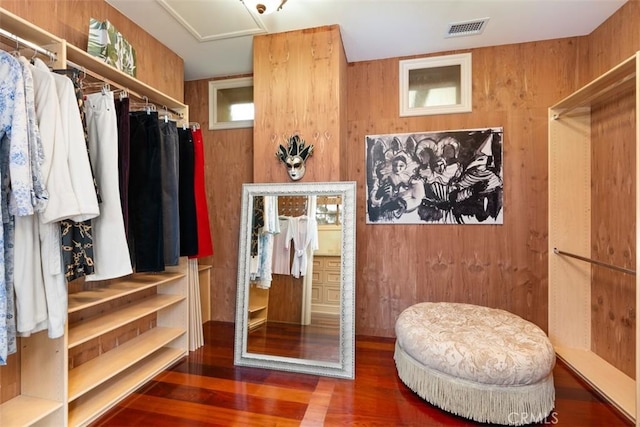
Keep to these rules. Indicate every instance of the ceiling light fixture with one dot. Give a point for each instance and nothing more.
(264, 7)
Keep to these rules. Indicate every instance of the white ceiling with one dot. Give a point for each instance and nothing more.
(214, 37)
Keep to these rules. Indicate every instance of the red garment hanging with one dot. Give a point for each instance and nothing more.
(205, 245)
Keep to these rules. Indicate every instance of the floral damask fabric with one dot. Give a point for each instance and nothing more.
(475, 343)
(14, 144)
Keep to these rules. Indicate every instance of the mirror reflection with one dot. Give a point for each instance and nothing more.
(300, 296)
(295, 278)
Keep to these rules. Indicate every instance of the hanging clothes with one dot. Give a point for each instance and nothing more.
(282, 247)
(170, 165)
(13, 123)
(30, 303)
(111, 252)
(270, 228)
(77, 237)
(67, 173)
(145, 192)
(205, 245)
(124, 135)
(304, 232)
(188, 212)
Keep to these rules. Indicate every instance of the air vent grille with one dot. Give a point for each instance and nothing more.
(467, 28)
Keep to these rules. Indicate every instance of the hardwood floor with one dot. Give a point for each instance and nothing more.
(314, 341)
(206, 389)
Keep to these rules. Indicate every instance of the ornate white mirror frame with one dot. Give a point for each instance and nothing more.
(344, 367)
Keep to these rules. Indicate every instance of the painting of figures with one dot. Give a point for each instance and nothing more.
(445, 177)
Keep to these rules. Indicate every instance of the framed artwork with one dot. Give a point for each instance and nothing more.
(108, 44)
(444, 177)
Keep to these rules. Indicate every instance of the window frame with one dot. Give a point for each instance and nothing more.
(463, 60)
(214, 87)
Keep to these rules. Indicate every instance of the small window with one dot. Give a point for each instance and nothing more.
(329, 210)
(435, 85)
(231, 103)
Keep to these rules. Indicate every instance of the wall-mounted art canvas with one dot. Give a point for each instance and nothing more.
(444, 177)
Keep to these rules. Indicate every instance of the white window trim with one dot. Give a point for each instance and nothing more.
(463, 60)
(214, 86)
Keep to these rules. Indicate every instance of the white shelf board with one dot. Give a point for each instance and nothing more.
(95, 403)
(102, 368)
(25, 410)
(613, 384)
(88, 329)
(136, 283)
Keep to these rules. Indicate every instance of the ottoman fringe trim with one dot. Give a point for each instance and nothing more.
(507, 405)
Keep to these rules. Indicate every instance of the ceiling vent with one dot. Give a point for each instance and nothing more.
(467, 28)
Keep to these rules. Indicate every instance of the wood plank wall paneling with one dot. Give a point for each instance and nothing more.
(613, 227)
(228, 165)
(285, 295)
(500, 266)
(158, 66)
(298, 90)
(613, 231)
(612, 42)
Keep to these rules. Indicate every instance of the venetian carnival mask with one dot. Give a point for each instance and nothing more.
(294, 156)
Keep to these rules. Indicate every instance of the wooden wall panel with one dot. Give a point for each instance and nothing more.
(297, 90)
(158, 66)
(613, 193)
(285, 296)
(613, 231)
(612, 42)
(228, 164)
(503, 266)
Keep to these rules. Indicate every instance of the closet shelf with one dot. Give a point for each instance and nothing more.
(26, 410)
(83, 59)
(88, 329)
(576, 134)
(618, 80)
(53, 387)
(130, 285)
(253, 308)
(93, 404)
(601, 375)
(254, 323)
(26, 30)
(90, 375)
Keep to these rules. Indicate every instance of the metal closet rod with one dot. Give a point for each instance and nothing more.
(123, 88)
(593, 261)
(52, 55)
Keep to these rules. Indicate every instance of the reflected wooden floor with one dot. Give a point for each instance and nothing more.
(314, 342)
(206, 389)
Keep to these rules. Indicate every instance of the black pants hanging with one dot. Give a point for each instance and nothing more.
(145, 192)
(170, 195)
(124, 134)
(188, 216)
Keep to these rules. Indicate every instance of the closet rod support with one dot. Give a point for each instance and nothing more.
(593, 261)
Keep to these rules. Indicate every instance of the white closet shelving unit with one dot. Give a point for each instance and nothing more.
(570, 279)
(51, 394)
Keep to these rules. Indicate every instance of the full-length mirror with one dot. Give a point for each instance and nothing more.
(295, 301)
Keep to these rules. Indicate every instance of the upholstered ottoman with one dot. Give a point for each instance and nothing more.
(480, 363)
